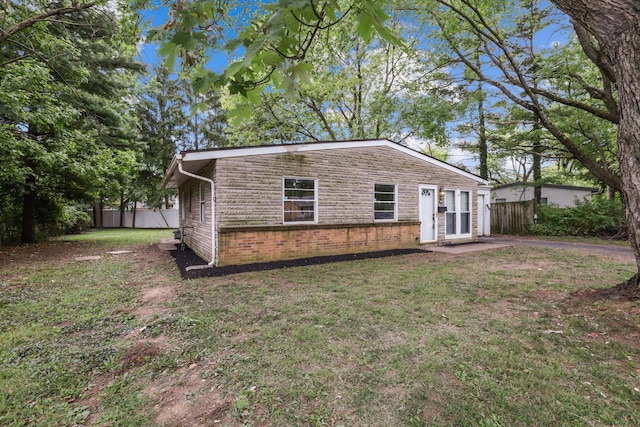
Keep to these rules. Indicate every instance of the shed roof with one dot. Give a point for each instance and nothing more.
(194, 160)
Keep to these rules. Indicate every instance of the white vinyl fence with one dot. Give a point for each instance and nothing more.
(145, 218)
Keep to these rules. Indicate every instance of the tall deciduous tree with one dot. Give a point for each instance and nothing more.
(609, 32)
(25, 14)
(64, 111)
(514, 68)
(357, 89)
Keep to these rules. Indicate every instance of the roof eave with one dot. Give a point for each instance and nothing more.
(197, 156)
(171, 172)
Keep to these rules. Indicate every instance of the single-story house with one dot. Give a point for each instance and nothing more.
(560, 195)
(277, 202)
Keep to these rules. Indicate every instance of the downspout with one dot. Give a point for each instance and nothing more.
(214, 237)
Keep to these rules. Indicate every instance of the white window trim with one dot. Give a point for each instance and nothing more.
(458, 213)
(315, 200)
(395, 203)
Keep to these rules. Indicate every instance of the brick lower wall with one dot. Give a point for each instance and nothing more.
(246, 245)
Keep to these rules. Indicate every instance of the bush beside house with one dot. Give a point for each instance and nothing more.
(596, 217)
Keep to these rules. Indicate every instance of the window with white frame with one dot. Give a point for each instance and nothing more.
(299, 199)
(384, 201)
(202, 203)
(452, 214)
(458, 216)
(465, 213)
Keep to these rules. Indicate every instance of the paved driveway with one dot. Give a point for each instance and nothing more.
(588, 247)
(496, 242)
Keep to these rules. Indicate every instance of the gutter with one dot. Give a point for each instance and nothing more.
(214, 237)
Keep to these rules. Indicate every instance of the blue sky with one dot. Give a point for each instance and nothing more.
(151, 18)
(157, 15)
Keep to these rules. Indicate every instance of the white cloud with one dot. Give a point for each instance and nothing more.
(141, 43)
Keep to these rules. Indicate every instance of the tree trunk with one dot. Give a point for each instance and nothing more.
(133, 220)
(629, 146)
(97, 213)
(615, 24)
(121, 209)
(482, 136)
(537, 163)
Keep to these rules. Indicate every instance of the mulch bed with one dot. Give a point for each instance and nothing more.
(187, 258)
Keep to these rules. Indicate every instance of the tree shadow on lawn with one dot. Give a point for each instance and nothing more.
(187, 258)
(626, 291)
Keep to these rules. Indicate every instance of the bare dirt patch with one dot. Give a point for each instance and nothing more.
(592, 295)
(140, 354)
(188, 399)
(158, 295)
(154, 302)
(623, 313)
(41, 253)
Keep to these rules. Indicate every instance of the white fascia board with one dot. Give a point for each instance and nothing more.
(278, 149)
(298, 148)
(173, 168)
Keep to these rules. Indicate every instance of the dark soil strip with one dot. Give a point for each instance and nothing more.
(188, 258)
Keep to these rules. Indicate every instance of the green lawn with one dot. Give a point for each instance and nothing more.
(496, 338)
(120, 236)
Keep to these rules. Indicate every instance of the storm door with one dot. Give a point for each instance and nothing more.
(427, 208)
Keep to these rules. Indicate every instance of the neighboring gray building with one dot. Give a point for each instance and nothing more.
(276, 202)
(560, 195)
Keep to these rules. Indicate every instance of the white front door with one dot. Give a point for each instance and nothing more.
(484, 214)
(427, 213)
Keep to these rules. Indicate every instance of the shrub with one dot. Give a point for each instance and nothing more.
(53, 217)
(75, 219)
(595, 217)
(61, 218)
(10, 215)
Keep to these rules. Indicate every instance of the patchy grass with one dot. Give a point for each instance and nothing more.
(492, 338)
(57, 330)
(119, 236)
(62, 323)
(508, 337)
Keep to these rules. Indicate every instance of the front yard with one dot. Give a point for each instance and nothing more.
(505, 337)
